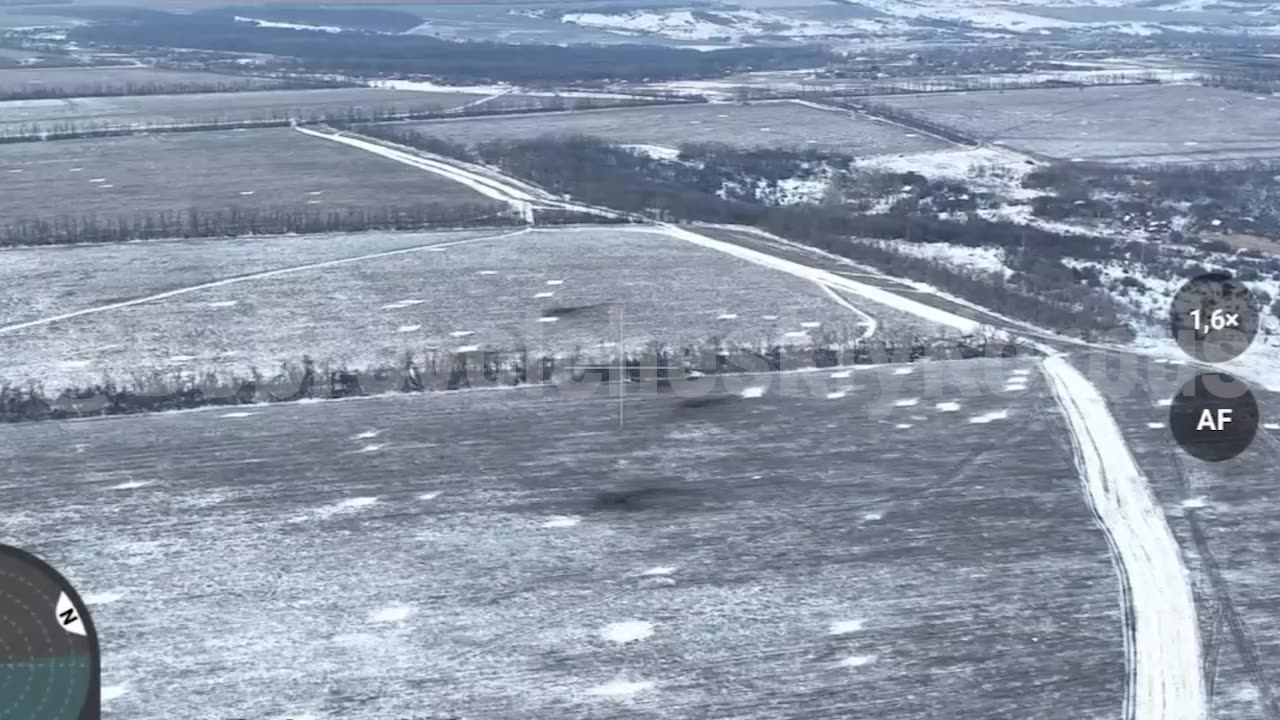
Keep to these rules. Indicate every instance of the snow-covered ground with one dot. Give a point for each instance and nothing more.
(977, 259)
(493, 90)
(990, 168)
(731, 25)
(736, 24)
(288, 26)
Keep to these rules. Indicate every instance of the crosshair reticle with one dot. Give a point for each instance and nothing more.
(49, 660)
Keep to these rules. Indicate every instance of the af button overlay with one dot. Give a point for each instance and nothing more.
(1214, 417)
(1214, 318)
(49, 661)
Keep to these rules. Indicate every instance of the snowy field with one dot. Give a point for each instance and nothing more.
(1143, 124)
(489, 290)
(44, 281)
(1226, 518)
(265, 168)
(766, 124)
(79, 80)
(510, 554)
(21, 115)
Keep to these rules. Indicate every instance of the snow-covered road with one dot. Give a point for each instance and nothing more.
(1162, 636)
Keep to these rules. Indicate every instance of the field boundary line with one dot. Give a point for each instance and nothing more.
(253, 276)
(1162, 645)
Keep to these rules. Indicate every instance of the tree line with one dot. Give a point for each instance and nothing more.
(71, 129)
(659, 365)
(1042, 289)
(161, 87)
(916, 121)
(232, 221)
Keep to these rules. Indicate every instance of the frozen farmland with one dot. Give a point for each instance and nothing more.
(71, 81)
(365, 300)
(765, 124)
(26, 116)
(1145, 124)
(261, 168)
(1226, 518)
(790, 554)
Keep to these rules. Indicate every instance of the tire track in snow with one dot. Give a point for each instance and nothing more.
(1162, 647)
(871, 323)
(252, 276)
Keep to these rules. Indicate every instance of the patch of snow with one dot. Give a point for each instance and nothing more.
(621, 688)
(130, 485)
(906, 402)
(753, 392)
(627, 631)
(855, 661)
(562, 521)
(992, 416)
(980, 260)
(101, 598)
(845, 627)
(950, 406)
(288, 26)
(391, 614)
(655, 152)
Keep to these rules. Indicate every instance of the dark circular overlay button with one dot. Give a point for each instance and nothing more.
(1214, 317)
(49, 661)
(1214, 417)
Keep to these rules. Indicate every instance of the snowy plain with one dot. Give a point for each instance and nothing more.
(469, 560)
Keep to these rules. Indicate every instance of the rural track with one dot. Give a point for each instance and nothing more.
(1163, 643)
